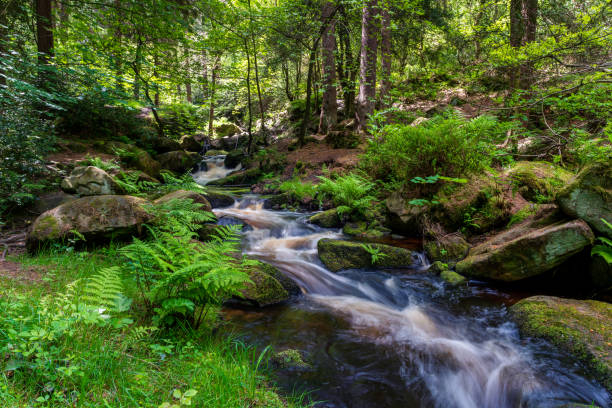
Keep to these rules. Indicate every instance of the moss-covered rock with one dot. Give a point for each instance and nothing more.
(403, 217)
(249, 176)
(338, 255)
(581, 327)
(365, 231)
(538, 181)
(179, 161)
(452, 278)
(218, 199)
(88, 181)
(183, 195)
(190, 144)
(227, 129)
(214, 152)
(327, 219)
(133, 157)
(234, 158)
(289, 359)
(438, 267)
(524, 251)
(164, 144)
(447, 248)
(265, 289)
(589, 197)
(96, 218)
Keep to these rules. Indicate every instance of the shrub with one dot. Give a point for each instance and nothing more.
(182, 119)
(352, 193)
(447, 145)
(98, 115)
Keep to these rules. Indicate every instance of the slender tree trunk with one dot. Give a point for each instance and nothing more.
(137, 65)
(385, 56)
(204, 74)
(350, 73)
(44, 38)
(211, 108)
(156, 96)
(329, 106)
(298, 74)
(262, 128)
(188, 79)
(367, 64)
(306, 118)
(248, 79)
(285, 69)
(523, 25)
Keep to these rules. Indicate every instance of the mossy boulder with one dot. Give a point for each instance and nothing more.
(218, 199)
(190, 144)
(327, 219)
(179, 161)
(526, 251)
(447, 248)
(538, 181)
(403, 217)
(437, 267)
(581, 327)
(194, 196)
(164, 144)
(249, 176)
(364, 231)
(97, 218)
(88, 181)
(589, 197)
(214, 152)
(133, 157)
(278, 201)
(338, 255)
(233, 159)
(265, 289)
(452, 278)
(227, 129)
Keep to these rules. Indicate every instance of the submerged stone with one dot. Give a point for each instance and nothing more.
(581, 327)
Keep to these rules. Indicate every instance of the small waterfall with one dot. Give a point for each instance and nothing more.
(213, 168)
(457, 361)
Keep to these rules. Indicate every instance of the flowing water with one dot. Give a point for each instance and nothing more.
(397, 338)
(213, 168)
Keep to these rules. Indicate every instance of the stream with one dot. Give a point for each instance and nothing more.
(395, 338)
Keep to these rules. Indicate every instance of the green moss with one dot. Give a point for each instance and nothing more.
(538, 181)
(438, 267)
(522, 214)
(447, 248)
(452, 278)
(290, 358)
(338, 255)
(265, 289)
(47, 227)
(243, 177)
(582, 328)
(327, 219)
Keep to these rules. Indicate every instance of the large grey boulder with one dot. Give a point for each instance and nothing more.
(88, 181)
(526, 251)
(589, 197)
(97, 218)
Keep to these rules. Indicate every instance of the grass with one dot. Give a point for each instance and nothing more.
(97, 365)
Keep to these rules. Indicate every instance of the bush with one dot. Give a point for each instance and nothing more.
(447, 145)
(182, 119)
(352, 193)
(97, 115)
(298, 189)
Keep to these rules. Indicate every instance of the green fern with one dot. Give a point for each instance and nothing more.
(131, 184)
(605, 249)
(352, 193)
(105, 290)
(184, 182)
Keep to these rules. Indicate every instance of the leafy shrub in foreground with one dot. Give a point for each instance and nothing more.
(448, 145)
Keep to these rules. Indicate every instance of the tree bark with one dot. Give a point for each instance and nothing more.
(350, 73)
(211, 108)
(285, 69)
(306, 119)
(367, 64)
(44, 37)
(385, 56)
(188, 74)
(523, 26)
(262, 128)
(249, 103)
(329, 106)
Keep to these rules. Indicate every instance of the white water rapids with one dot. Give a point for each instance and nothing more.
(459, 364)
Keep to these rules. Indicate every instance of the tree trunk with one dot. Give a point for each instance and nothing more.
(211, 108)
(306, 119)
(285, 69)
(156, 96)
(137, 65)
(367, 64)
(204, 73)
(329, 106)
(262, 128)
(523, 25)
(248, 79)
(385, 56)
(44, 37)
(188, 73)
(350, 73)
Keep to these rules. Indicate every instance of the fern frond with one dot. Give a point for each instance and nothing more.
(104, 289)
